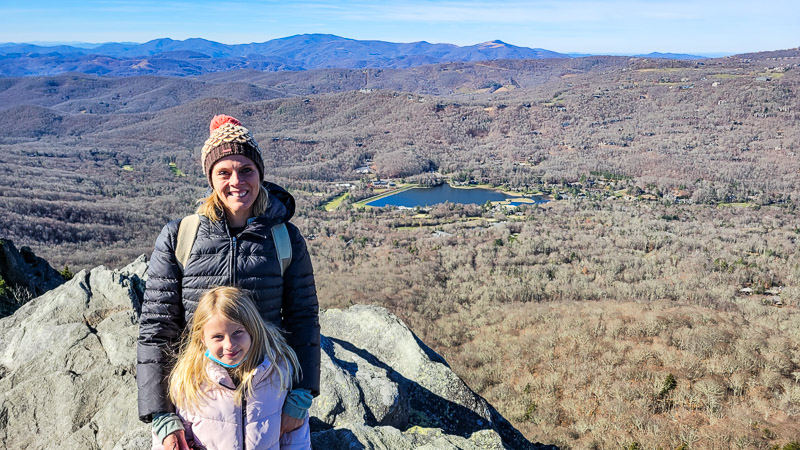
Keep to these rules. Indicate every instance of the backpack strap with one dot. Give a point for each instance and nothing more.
(187, 233)
(283, 245)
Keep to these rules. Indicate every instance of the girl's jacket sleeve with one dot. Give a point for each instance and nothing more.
(160, 325)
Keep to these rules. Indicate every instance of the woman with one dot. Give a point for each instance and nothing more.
(234, 246)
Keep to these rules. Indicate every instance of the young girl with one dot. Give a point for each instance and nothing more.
(231, 378)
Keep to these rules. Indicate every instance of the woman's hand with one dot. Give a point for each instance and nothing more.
(177, 441)
(289, 423)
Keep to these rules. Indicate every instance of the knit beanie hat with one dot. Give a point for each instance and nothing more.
(228, 137)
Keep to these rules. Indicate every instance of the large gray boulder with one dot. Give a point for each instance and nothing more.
(376, 372)
(67, 368)
(67, 365)
(384, 437)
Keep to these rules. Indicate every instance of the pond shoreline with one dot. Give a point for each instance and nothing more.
(511, 198)
(363, 203)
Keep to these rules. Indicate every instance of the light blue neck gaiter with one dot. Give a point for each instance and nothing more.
(228, 366)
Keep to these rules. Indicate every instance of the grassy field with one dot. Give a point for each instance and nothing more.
(336, 202)
(175, 170)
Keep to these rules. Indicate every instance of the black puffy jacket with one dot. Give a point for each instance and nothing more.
(248, 261)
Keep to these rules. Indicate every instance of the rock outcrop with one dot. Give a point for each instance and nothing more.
(67, 368)
(67, 365)
(24, 276)
(376, 373)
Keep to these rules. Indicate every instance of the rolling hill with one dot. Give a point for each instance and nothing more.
(636, 310)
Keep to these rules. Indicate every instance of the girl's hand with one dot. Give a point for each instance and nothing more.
(176, 441)
(289, 424)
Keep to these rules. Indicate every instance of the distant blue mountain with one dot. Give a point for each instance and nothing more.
(12, 48)
(670, 56)
(301, 52)
(312, 49)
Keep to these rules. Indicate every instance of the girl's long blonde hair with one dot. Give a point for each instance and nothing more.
(267, 342)
(213, 208)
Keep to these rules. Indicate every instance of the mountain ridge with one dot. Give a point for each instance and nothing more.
(198, 56)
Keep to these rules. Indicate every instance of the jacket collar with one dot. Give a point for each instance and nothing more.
(219, 375)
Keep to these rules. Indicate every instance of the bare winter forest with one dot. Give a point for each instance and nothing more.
(652, 305)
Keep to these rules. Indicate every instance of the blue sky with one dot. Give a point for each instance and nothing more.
(608, 26)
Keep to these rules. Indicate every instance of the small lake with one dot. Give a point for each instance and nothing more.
(445, 193)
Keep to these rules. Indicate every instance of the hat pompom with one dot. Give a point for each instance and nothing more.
(220, 120)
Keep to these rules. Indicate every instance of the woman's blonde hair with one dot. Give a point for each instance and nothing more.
(267, 342)
(213, 208)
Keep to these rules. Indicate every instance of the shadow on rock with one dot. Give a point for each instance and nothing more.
(387, 388)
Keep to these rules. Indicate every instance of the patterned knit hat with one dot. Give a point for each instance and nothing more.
(229, 137)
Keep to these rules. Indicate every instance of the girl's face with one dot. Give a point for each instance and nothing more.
(226, 340)
(235, 181)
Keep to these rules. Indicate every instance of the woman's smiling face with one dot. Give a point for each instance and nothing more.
(236, 182)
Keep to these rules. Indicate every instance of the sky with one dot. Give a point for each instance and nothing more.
(608, 26)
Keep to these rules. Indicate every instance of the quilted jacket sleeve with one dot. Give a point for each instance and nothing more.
(300, 312)
(160, 325)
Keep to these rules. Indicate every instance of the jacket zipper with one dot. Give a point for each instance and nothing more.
(233, 261)
(244, 419)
